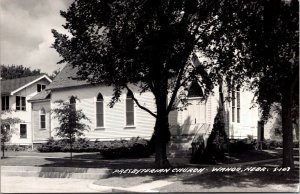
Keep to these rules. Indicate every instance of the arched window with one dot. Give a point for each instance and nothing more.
(99, 111)
(42, 118)
(129, 109)
(236, 104)
(73, 103)
(195, 90)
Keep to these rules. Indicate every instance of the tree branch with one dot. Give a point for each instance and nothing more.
(138, 104)
(177, 86)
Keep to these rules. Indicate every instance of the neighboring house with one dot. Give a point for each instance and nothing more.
(273, 126)
(126, 120)
(14, 99)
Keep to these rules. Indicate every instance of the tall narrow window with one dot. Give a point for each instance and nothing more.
(99, 111)
(73, 103)
(129, 110)
(233, 106)
(238, 105)
(5, 102)
(20, 103)
(23, 131)
(43, 119)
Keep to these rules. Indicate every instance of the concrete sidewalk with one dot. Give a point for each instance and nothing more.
(17, 184)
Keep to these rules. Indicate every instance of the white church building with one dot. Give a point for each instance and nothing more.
(126, 120)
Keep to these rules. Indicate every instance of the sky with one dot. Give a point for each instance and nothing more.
(25, 33)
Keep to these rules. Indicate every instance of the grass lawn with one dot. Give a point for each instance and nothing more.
(180, 182)
(60, 159)
(95, 160)
(269, 181)
(218, 181)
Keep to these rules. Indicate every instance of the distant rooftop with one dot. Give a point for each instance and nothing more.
(66, 78)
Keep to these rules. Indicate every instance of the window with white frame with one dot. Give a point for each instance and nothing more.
(129, 110)
(20, 103)
(99, 111)
(23, 131)
(42, 119)
(4, 102)
(40, 87)
(236, 105)
(233, 106)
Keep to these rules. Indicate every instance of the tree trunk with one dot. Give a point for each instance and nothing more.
(3, 147)
(71, 146)
(162, 136)
(161, 133)
(71, 149)
(287, 129)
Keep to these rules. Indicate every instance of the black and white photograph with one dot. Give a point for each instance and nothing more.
(159, 96)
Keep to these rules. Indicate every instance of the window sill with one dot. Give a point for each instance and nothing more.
(42, 129)
(130, 127)
(194, 97)
(99, 128)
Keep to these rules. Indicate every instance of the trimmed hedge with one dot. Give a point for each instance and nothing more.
(272, 144)
(61, 145)
(237, 146)
(217, 152)
(17, 148)
(135, 147)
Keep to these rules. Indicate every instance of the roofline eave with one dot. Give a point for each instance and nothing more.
(32, 82)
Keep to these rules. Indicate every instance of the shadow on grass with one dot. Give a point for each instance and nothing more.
(83, 162)
(108, 167)
(245, 179)
(99, 163)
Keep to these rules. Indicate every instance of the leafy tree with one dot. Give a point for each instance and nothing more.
(70, 120)
(6, 130)
(17, 71)
(145, 43)
(214, 150)
(259, 45)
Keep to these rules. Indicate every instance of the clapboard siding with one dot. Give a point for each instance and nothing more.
(249, 116)
(40, 135)
(114, 118)
(181, 122)
(208, 110)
